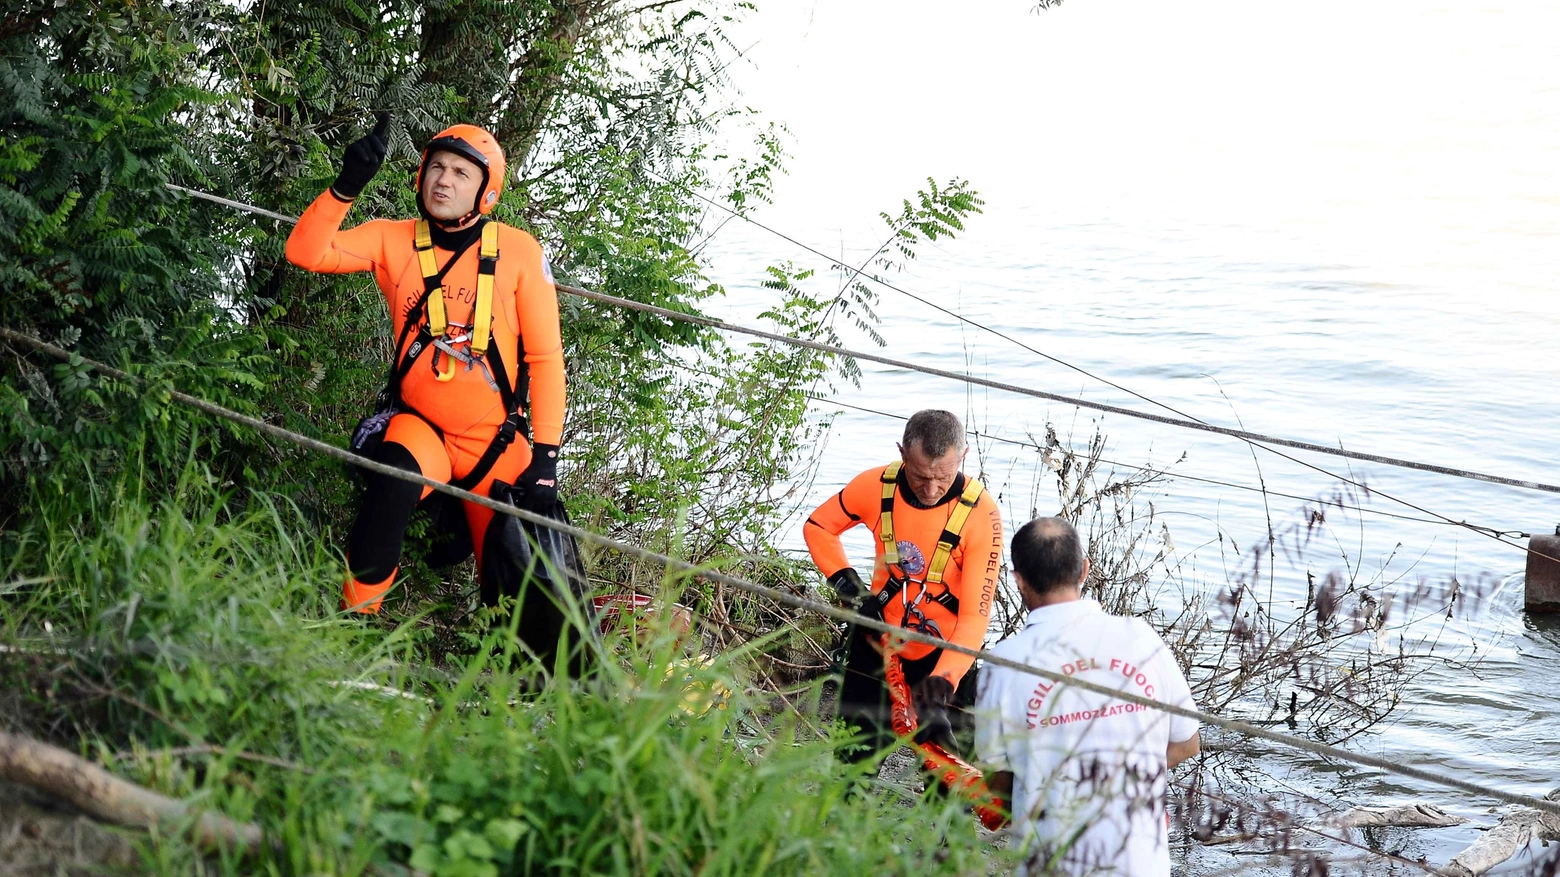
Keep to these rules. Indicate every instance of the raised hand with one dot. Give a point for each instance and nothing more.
(362, 160)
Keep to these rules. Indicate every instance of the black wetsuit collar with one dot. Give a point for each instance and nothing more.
(909, 495)
(455, 240)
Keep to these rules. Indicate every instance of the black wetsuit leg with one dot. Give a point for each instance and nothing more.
(374, 545)
(864, 700)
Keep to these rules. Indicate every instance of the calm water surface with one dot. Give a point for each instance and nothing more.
(1323, 351)
(1341, 226)
(1334, 222)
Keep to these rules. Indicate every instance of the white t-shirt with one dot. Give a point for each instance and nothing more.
(1089, 770)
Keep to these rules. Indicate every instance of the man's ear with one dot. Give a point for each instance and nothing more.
(1085, 576)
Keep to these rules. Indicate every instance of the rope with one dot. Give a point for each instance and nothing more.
(237, 205)
(1253, 438)
(1194, 424)
(1241, 434)
(1500, 536)
(674, 565)
(908, 294)
(1497, 535)
(1062, 362)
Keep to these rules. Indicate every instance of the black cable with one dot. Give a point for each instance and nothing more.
(1183, 476)
(1495, 534)
(674, 565)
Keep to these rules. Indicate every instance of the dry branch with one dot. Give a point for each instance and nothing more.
(59, 774)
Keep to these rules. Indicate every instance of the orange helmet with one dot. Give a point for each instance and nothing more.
(477, 145)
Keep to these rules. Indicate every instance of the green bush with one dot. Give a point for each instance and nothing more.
(193, 645)
(628, 779)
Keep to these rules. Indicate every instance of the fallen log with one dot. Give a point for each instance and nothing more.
(67, 777)
(1406, 816)
(1518, 827)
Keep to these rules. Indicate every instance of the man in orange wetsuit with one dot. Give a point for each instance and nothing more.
(939, 552)
(475, 315)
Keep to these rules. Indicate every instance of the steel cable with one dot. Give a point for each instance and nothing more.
(1479, 528)
(1254, 439)
(1497, 535)
(962, 377)
(674, 565)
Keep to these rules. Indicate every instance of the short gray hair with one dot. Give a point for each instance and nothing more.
(935, 431)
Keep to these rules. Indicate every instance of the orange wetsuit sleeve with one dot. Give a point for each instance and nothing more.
(537, 303)
(858, 503)
(981, 540)
(317, 242)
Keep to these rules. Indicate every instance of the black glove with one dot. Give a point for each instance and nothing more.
(539, 482)
(933, 697)
(870, 607)
(362, 161)
(847, 586)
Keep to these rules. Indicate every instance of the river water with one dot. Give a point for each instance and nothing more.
(1329, 223)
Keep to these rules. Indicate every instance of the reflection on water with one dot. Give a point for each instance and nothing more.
(1544, 632)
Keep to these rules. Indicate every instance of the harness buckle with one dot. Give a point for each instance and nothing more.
(506, 432)
(480, 361)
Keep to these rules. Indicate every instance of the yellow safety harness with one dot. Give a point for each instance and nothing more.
(945, 543)
(482, 314)
(435, 333)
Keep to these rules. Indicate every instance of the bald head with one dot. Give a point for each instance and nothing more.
(1048, 555)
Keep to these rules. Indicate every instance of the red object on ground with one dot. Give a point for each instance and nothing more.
(612, 610)
(952, 771)
(610, 607)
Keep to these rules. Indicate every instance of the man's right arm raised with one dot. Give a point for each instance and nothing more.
(317, 242)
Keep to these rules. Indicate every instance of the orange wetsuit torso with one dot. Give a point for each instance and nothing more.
(971, 573)
(525, 305)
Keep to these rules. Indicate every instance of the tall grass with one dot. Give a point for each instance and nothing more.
(193, 645)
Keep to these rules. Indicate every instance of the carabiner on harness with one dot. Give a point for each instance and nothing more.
(440, 346)
(914, 618)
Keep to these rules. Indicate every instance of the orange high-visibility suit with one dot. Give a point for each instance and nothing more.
(452, 423)
(970, 576)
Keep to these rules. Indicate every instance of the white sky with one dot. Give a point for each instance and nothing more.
(1416, 127)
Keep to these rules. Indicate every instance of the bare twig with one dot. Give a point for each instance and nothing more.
(184, 751)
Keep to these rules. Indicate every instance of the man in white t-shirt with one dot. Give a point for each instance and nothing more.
(1085, 772)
